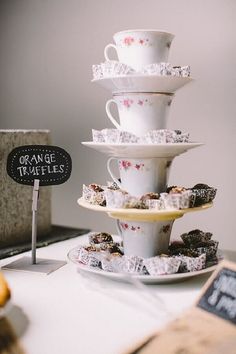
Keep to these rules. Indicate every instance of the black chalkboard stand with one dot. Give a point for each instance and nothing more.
(34, 218)
(52, 165)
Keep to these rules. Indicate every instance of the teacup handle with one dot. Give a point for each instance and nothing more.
(115, 179)
(112, 119)
(106, 49)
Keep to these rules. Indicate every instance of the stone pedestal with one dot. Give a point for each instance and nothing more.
(16, 199)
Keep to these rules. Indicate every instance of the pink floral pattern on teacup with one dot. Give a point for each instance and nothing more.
(125, 226)
(128, 102)
(129, 40)
(125, 165)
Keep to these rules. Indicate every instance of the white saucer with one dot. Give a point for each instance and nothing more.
(143, 83)
(142, 214)
(142, 150)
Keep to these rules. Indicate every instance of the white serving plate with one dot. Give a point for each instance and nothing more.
(142, 150)
(142, 214)
(143, 83)
(146, 279)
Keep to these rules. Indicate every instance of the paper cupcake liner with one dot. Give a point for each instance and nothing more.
(160, 265)
(154, 204)
(128, 264)
(97, 72)
(176, 200)
(115, 68)
(121, 199)
(98, 136)
(86, 257)
(191, 264)
(157, 69)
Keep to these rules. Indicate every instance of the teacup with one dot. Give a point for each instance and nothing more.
(140, 112)
(145, 239)
(141, 176)
(138, 48)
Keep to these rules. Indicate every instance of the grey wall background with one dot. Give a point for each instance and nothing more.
(47, 48)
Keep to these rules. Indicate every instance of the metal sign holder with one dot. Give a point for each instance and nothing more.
(31, 264)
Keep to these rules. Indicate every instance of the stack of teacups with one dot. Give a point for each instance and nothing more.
(140, 112)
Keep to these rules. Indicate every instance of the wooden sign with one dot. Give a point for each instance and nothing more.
(51, 165)
(220, 296)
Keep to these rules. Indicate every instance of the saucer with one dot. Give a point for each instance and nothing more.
(142, 150)
(143, 83)
(146, 279)
(142, 214)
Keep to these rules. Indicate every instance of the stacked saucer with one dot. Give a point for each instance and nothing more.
(140, 145)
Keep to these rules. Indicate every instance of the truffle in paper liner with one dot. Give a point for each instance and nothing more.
(121, 199)
(204, 194)
(154, 204)
(97, 72)
(98, 136)
(160, 69)
(195, 236)
(175, 201)
(191, 264)
(185, 71)
(100, 237)
(152, 201)
(176, 71)
(112, 248)
(161, 265)
(210, 249)
(93, 196)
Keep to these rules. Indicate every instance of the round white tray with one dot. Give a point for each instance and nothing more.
(147, 279)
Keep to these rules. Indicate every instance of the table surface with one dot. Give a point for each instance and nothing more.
(71, 312)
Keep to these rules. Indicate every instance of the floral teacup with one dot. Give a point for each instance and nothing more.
(145, 239)
(138, 48)
(141, 176)
(140, 112)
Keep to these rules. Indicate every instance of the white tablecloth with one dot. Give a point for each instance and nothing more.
(67, 312)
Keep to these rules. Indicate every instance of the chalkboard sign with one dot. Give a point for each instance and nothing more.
(49, 164)
(220, 296)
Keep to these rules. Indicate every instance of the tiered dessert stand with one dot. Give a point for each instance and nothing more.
(145, 233)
